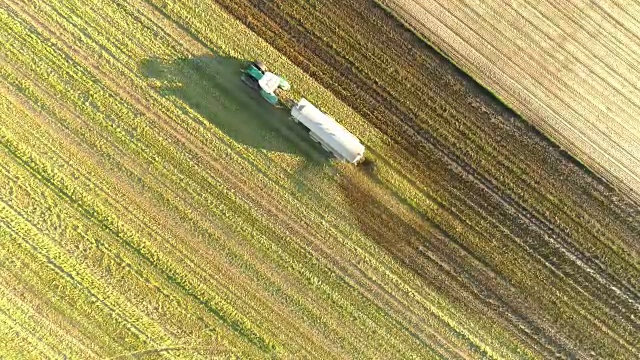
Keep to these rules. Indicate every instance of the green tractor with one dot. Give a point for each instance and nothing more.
(267, 83)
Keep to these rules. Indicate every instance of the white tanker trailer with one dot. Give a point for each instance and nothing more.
(326, 131)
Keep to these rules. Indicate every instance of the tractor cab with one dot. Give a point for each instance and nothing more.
(267, 83)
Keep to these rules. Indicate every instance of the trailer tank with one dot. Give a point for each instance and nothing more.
(325, 130)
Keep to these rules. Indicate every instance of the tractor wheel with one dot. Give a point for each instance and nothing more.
(289, 104)
(251, 81)
(259, 64)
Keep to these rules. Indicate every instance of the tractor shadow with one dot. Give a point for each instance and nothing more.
(210, 85)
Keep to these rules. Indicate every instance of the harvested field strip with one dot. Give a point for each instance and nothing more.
(562, 209)
(571, 68)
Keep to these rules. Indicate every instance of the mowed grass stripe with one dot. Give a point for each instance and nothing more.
(35, 312)
(21, 322)
(54, 251)
(140, 286)
(51, 150)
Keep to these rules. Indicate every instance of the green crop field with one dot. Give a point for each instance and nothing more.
(153, 206)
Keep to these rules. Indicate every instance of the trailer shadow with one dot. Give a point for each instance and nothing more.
(210, 86)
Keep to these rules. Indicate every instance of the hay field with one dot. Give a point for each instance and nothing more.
(152, 206)
(572, 68)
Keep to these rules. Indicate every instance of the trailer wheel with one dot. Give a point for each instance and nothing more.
(290, 103)
(368, 166)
